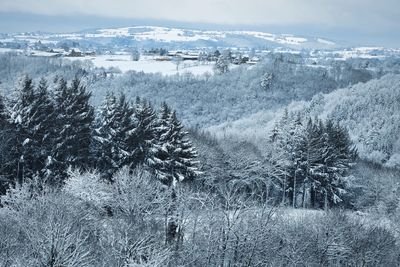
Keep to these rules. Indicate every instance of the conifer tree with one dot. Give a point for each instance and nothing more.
(172, 160)
(3, 116)
(104, 136)
(112, 134)
(313, 159)
(173, 156)
(143, 137)
(341, 155)
(281, 157)
(21, 113)
(75, 116)
(6, 142)
(126, 129)
(43, 122)
(33, 121)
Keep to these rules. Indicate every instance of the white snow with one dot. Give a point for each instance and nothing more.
(155, 33)
(292, 40)
(147, 64)
(323, 41)
(7, 50)
(164, 34)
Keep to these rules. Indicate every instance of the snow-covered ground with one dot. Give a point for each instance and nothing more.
(148, 64)
(165, 35)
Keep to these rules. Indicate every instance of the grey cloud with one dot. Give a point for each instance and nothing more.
(354, 13)
(355, 20)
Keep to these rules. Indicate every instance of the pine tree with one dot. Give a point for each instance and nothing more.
(159, 157)
(281, 157)
(173, 156)
(104, 136)
(317, 156)
(43, 122)
(172, 160)
(143, 137)
(21, 113)
(330, 154)
(298, 158)
(314, 159)
(33, 120)
(222, 65)
(3, 116)
(6, 142)
(75, 117)
(125, 130)
(113, 133)
(340, 157)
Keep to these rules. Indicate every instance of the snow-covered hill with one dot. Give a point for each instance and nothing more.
(151, 35)
(369, 110)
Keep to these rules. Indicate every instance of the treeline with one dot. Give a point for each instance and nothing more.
(311, 159)
(47, 131)
(44, 132)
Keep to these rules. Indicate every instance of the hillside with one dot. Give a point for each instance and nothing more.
(148, 36)
(369, 110)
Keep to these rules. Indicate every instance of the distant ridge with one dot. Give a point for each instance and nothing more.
(181, 37)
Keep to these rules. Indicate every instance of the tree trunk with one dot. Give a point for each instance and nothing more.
(312, 196)
(172, 220)
(303, 204)
(294, 191)
(284, 191)
(326, 201)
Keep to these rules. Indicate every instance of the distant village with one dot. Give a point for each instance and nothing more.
(75, 49)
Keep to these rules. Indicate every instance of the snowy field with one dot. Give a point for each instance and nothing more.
(148, 64)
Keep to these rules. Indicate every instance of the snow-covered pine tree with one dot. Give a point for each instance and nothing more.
(297, 173)
(173, 156)
(159, 160)
(184, 155)
(328, 154)
(21, 113)
(310, 160)
(3, 116)
(316, 154)
(126, 128)
(114, 127)
(281, 157)
(6, 142)
(103, 136)
(74, 125)
(43, 123)
(341, 155)
(172, 160)
(144, 135)
(222, 65)
(266, 81)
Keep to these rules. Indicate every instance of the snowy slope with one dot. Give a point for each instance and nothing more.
(150, 35)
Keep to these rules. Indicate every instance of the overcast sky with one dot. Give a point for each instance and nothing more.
(363, 21)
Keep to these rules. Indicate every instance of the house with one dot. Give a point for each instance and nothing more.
(162, 58)
(75, 53)
(253, 61)
(90, 53)
(190, 57)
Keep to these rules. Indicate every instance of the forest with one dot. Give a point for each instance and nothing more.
(283, 164)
